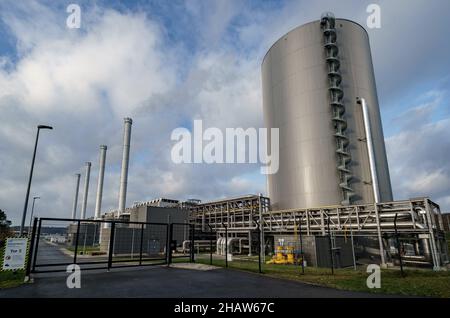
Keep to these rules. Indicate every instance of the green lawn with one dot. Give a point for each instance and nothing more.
(416, 282)
(447, 236)
(10, 279)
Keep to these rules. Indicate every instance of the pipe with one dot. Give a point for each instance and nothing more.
(432, 242)
(219, 246)
(370, 149)
(380, 239)
(229, 243)
(125, 160)
(101, 175)
(426, 249)
(75, 199)
(86, 190)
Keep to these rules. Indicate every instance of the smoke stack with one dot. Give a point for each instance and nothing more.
(86, 190)
(75, 200)
(101, 175)
(125, 159)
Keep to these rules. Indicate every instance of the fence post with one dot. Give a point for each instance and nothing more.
(111, 244)
(226, 245)
(353, 245)
(259, 246)
(398, 245)
(331, 246)
(301, 246)
(76, 242)
(31, 250)
(210, 244)
(37, 244)
(142, 241)
(192, 260)
(169, 241)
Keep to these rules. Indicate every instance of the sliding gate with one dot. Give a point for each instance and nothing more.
(182, 243)
(99, 244)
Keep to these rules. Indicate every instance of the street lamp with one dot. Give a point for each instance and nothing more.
(32, 210)
(31, 176)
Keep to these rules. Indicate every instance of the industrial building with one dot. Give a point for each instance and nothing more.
(319, 90)
(446, 220)
(333, 179)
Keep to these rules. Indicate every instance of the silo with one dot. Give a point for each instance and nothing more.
(311, 79)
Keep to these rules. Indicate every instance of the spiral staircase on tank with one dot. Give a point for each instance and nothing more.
(338, 109)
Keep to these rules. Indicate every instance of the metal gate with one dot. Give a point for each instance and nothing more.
(96, 244)
(182, 243)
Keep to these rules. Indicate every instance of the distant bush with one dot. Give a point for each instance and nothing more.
(5, 228)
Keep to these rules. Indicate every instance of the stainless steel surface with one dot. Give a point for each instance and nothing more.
(75, 199)
(125, 160)
(296, 100)
(370, 150)
(101, 175)
(86, 190)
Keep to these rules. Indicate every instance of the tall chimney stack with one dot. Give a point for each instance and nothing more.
(75, 200)
(125, 159)
(86, 190)
(101, 175)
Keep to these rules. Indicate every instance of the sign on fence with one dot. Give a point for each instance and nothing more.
(15, 253)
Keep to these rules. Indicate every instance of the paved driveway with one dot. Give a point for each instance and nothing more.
(162, 281)
(51, 254)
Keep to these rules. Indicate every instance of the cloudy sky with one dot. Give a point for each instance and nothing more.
(166, 63)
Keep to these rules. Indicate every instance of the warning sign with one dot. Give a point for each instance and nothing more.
(15, 253)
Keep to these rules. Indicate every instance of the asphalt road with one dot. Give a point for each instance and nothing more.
(161, 281)
(49, 253)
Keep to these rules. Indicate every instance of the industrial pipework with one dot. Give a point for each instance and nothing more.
(327, 24)
(125, 160)
(86, 190)
(370, 150)
(75, 199)
(101, 175)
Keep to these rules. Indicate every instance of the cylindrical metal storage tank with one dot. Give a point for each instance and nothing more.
(323, 157)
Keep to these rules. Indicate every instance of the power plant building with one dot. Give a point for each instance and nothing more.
(329, 204)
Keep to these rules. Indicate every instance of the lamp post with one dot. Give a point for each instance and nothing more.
(24, 215)
(32, 211)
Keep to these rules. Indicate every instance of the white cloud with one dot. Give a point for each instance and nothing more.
(81, 83)
(420, 115)
(419, 162)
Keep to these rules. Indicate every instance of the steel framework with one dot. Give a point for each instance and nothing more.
(419, 217)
